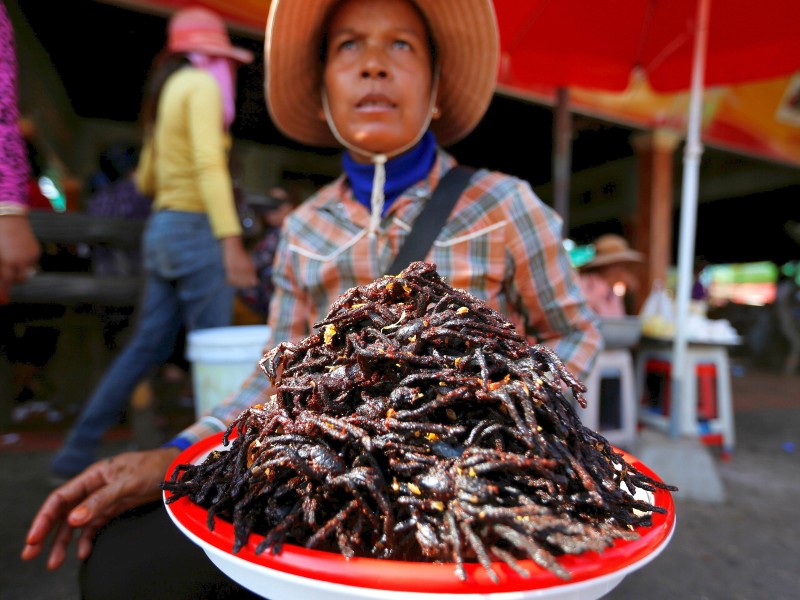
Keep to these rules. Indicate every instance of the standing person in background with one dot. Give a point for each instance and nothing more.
(395, 77)
(193, 252)
(19, 249)
(610, 276)
(787, 305)
(787, 310)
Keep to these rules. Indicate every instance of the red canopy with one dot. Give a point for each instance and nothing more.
(600, 43)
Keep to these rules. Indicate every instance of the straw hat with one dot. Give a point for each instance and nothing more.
(198, 29)
(467, 43)
(611, 249)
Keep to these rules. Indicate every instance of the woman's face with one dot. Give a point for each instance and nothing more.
(378, 73)
(622, 273)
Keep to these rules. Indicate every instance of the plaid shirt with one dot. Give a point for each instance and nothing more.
(501, 244)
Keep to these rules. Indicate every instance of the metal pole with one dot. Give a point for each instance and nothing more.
(562, 157)
(688, 225)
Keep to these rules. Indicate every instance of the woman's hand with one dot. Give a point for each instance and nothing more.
(19, 252)
(239, 266)
(88, 501)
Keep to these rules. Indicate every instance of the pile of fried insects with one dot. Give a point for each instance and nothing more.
(418, 425)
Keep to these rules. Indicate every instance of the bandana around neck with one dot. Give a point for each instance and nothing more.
(402, 172)
(220, 69)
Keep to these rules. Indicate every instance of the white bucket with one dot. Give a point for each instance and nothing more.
(222, 358)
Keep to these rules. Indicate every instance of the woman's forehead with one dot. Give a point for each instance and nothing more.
(401, 13)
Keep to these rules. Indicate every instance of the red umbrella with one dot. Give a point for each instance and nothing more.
(599, 44)
(675, 44)
(550, 45)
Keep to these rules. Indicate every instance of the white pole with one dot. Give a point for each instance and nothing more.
(691, 170)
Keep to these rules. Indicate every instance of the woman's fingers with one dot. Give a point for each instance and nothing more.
(88, 501)
(86, 537)
(62, 510)
(58, 549)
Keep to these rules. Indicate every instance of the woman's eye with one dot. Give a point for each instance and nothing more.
(402, 44)
(347, 45)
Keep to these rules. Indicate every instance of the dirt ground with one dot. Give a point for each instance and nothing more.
(744, 548)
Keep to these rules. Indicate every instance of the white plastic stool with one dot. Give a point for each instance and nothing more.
(688, 422)
(616, 364)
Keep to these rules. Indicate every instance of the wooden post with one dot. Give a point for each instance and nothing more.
(562, 157)
(652, 233)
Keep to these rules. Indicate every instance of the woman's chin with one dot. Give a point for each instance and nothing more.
(373, 141)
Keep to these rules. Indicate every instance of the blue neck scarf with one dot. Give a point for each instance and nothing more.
(401, 172)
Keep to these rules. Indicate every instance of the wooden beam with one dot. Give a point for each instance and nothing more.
(652, 230)
(562, 157)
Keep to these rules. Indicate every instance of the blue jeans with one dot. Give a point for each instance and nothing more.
(185, 284)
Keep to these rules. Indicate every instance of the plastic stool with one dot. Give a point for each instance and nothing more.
(610, 398)
(706, 391)
(656, 392)
(706, 409)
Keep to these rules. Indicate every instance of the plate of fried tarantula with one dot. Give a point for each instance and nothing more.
(416, 445)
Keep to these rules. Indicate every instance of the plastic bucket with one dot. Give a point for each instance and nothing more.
(222, 358)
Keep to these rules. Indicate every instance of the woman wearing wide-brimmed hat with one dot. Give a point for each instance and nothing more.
(193, 253)
(610, 275)
(390, 81)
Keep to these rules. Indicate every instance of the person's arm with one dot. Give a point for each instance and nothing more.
(112, 486)
(19, 252)
(145, 176)
(543, 284)
(290, 305)
(208, 144)
(19, 249)
(288, 321)
(87, 502)
(208, 147)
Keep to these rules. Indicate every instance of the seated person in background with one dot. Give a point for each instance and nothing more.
(252, 304)
(115, 195)
(609, 276)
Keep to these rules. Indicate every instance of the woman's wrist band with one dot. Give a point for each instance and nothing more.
(178, 442)
(8, 209)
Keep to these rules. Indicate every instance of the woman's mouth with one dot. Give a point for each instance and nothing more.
(375, 103)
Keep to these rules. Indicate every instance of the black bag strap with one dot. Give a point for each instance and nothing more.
(431, 218)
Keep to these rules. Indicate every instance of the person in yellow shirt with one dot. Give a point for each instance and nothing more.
(194, 257)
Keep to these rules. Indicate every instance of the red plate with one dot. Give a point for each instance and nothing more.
(416, 577)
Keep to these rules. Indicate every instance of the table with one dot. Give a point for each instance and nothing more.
(81, 355)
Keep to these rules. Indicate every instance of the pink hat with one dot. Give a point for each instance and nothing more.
(198, 29)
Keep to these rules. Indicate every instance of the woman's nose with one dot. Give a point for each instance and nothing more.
(374, 66)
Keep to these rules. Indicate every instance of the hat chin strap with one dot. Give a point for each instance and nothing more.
(377, 197)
